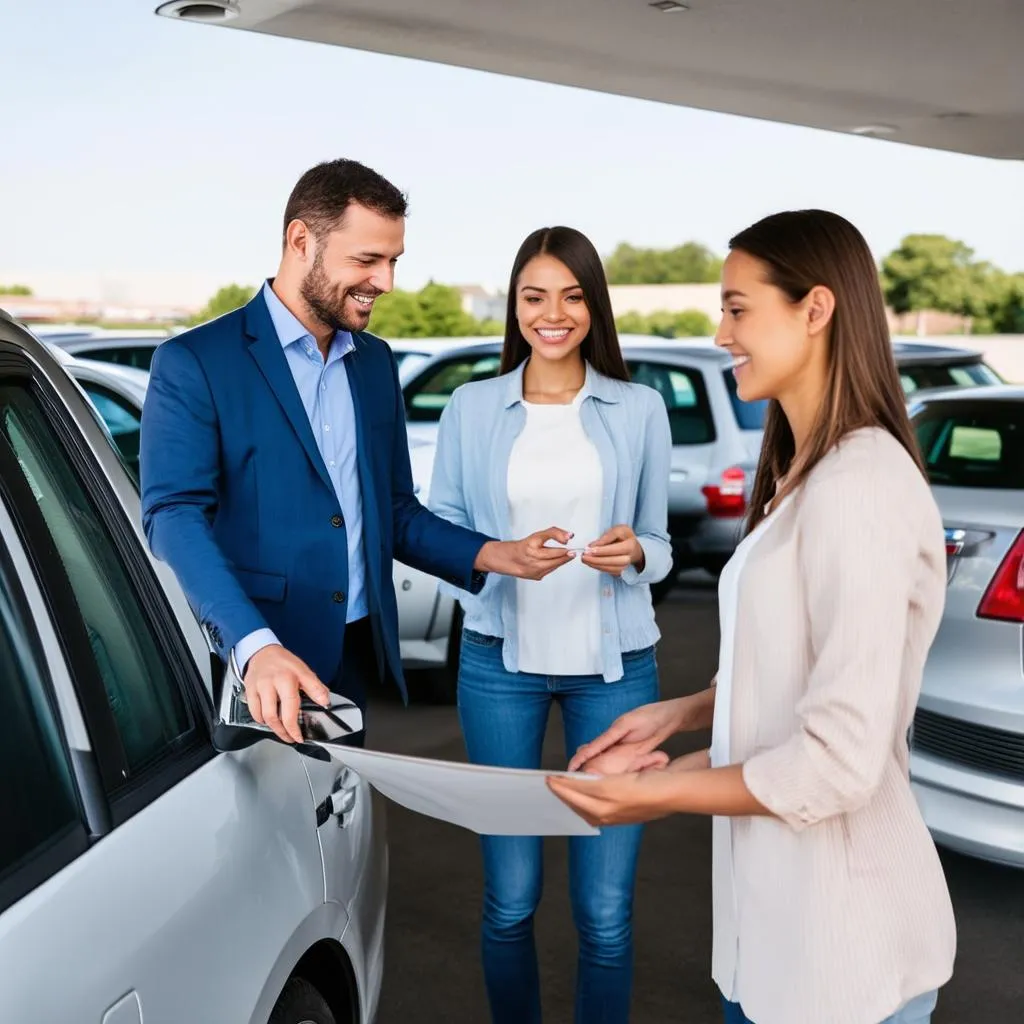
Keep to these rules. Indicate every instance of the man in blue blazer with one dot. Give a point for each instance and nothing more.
(275, 468)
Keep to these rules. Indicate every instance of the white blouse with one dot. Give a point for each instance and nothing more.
(555, 479)
(723, 886)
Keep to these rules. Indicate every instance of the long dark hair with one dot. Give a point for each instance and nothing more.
(601, 346)
(801, 250)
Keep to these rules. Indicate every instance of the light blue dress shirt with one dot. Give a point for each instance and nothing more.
(327, 398)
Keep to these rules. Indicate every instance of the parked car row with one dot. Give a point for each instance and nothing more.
(198, 884)
(968, 738)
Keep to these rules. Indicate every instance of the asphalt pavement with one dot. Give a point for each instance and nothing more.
(432, 971)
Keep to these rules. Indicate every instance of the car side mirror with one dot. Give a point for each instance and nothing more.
(235, 728)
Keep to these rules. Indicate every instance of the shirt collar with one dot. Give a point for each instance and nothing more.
(595, 385)
(290, 330)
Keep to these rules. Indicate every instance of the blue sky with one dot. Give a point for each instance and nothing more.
(150, 160)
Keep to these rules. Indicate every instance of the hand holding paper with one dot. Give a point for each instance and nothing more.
(490, 801)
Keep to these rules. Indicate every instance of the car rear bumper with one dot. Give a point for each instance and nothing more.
(704, 539)
(969, 811)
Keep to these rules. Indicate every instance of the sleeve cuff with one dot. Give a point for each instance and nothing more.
(251, 644)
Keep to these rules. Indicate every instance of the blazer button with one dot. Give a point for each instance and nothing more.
(338, 596)
(337, 521)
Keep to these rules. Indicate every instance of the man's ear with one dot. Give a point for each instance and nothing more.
(821, 306)
(299, 241)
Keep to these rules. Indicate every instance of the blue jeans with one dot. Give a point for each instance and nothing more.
(504, 717)
(917, 1011)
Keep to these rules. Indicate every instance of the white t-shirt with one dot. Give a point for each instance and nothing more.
(555, 479)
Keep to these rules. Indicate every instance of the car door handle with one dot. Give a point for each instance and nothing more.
(341, 801)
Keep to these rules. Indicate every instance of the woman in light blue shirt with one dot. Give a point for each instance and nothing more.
(560, 438)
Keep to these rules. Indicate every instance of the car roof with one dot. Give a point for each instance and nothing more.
(982, 393)
(910, 352)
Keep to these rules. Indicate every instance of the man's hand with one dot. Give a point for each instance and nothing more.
(273, 679)
(527, 559)
(614, 551)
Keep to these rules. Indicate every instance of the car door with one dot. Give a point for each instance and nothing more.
(198, 868)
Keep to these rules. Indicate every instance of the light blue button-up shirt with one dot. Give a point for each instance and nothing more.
(628, 425)
(326, 396)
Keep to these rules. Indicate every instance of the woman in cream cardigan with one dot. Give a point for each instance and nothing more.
(830, 904)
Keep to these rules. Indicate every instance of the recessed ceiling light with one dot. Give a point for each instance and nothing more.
(875, 129)
(199, 10)
(669, 6)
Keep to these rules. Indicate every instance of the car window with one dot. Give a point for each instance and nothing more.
(138, 356)
(122, 422)
(972, 444)
(749, 415)
(938, 375)
(685, 397)
(427, 396)
(151, 715)
(38, 802)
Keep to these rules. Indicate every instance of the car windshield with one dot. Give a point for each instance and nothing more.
(939, 375)
(973, 443)
(749, 415)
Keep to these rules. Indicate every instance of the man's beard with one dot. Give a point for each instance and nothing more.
(326, 301)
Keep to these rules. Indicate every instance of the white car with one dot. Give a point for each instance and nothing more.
(196, 882)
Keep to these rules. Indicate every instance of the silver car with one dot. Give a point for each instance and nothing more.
(967, 749)
(196, 882)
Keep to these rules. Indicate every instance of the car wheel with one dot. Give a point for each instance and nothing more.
(301, 1003)
(442, 684)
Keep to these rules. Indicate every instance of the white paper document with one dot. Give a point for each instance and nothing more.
(487, 800)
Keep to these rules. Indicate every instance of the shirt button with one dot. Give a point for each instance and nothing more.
(331, 463)
(336, 521)
(338, 596)
(607, 591)
(327, 427)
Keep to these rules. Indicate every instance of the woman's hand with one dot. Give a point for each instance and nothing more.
(626, 799)
(639, 731)
(614, 551)
(626, 757)
(635, 797)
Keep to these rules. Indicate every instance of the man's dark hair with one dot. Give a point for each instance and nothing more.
(323, 194)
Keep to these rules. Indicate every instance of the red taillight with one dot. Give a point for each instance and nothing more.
(725, 500)
(1004, 598)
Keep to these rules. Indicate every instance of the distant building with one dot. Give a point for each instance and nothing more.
(482, 304)
(670, 298)
(30, 309)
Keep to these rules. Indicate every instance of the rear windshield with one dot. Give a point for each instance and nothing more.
(973, 444)
(749, 415)
(937, 375)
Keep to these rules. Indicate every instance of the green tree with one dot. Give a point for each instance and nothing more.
(632, 323)
(435, 311)
(690, 323)
(228, 298)
(935, 272)
(689, 263)
(15, 289)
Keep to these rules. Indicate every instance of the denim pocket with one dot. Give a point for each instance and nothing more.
(471, 636)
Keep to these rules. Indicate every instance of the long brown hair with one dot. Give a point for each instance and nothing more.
(601, 346)
(800, 250)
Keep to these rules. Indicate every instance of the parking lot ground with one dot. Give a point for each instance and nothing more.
(432, 971)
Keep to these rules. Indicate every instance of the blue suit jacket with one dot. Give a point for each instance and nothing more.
(237, 500)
